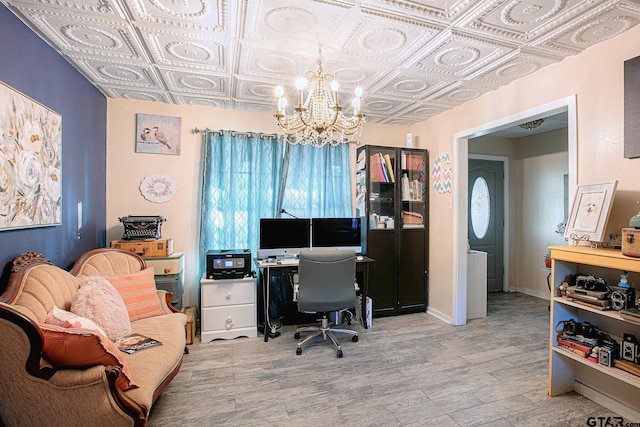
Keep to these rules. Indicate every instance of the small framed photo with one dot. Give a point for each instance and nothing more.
(590, 212)
(158, 134)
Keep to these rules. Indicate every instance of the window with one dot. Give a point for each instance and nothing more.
(248, 176)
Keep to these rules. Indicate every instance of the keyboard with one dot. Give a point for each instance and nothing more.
(288, 261)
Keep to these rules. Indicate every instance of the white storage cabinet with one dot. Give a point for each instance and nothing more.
(228, 308)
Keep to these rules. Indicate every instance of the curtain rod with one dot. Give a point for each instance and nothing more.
(233, 132)
(197, 130)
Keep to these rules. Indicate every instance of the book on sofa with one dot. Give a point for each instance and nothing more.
(136, 342)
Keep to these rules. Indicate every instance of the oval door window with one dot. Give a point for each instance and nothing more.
(480, 207)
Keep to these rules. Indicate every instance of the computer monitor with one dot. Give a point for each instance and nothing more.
(283, 236)
(336, 233)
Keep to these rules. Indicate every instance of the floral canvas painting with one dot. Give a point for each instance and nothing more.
(30, 162)
(158, 134)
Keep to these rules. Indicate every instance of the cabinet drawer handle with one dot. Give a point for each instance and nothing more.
(228, 324)
(229, 295)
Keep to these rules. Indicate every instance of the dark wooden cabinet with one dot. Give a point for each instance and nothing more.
(392, 201)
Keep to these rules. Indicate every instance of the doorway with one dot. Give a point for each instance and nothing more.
(460, 177)
(486, 216)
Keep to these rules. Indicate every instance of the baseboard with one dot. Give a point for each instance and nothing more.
(607, 402)
(435, 313)
(537, 294)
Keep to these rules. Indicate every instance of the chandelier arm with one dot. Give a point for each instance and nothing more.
(319, 119)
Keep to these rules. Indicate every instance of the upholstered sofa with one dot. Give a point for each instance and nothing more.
(35, 391)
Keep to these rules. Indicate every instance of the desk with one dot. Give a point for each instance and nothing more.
(269, 269)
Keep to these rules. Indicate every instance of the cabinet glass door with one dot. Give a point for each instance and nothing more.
(412, 188)
(382, 182)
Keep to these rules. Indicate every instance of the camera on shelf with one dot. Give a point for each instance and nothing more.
(629, 348)
(579, 332)
(608, 350)
(623, 298)
(591, 283)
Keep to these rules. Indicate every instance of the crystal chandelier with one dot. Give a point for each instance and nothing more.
(532, 124)
(318, 119)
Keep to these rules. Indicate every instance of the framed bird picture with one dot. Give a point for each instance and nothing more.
(158, 134)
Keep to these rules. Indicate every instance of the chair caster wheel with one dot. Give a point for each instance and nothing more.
(354, 338)
(296, 335)
(298, 351)
(339, 354)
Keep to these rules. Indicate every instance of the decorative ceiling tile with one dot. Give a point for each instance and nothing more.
(382, 106)
(420, 112)
(444, 11)
(107, 72)
(255, 90)
(132, 93)
(108, 9)
(286, 24)
(184, 81)
(513, 66)
(413, 58)
(457, 54)
(410, 85)
(599, 24)
(204, 101)
(189, 50)
(525, 20)
(86, 34)
(387, 38)
(198, 15)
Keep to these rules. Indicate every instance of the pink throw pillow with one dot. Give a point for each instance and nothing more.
(83, 348)
(67, 320)
(98, 300)
(138, 290)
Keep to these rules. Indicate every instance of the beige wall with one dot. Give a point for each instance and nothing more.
(126, 168)
(535, 201)
(596, 78)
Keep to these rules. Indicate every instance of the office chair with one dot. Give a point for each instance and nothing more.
(325, 284)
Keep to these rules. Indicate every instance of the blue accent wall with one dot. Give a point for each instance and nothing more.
(32, 67)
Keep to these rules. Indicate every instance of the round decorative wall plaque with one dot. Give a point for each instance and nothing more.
(158, 187)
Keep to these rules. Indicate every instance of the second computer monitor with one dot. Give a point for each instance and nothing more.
(336, 233)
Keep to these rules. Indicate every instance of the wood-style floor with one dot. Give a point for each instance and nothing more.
(411, 370)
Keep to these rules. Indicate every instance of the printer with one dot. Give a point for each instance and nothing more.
(228, 264)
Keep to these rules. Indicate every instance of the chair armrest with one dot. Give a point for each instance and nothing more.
(165, 302)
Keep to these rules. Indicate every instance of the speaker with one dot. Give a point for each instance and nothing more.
(409, 140)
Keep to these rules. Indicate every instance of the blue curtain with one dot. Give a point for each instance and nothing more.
(251, 176)
(241, 179)
(318, 181)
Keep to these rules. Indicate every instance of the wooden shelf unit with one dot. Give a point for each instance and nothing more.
(611, 387)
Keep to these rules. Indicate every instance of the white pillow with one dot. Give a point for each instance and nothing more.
(98, 300)
(68, 320)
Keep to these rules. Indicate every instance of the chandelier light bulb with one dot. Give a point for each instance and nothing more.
(301, 83)
(282, 103)
(334, 85)
(279, 91)
(358, 92)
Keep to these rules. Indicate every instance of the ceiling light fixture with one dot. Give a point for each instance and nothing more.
(532, 124)
(318, 119)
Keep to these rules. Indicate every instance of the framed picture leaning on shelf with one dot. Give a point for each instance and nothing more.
(590, 212)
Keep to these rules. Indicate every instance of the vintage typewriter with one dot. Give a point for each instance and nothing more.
(138, 227)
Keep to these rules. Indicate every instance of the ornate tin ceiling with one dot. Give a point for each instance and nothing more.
(413, 58)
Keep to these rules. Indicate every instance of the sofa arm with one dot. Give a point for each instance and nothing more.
(34, 393)
(165, 302)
